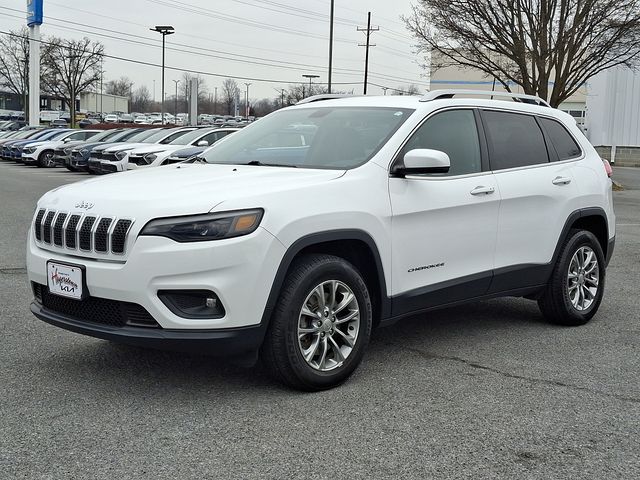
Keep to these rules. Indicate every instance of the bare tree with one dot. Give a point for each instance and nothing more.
(185, 86)
(70, 67)
(14, 55)
(121, 87)
(230, 93)
(548, 47)
(411, 89)
(141, 99)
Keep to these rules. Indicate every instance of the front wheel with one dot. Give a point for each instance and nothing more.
(321, 324)
(576, 287)
(45, 159)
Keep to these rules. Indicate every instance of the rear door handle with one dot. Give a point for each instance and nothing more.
(482, 190)
(561, 181)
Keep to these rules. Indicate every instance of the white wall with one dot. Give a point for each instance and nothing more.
(613, 108)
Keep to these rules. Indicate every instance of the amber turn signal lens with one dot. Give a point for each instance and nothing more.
(245, 222)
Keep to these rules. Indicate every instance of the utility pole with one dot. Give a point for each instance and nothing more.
(163, 30)
(101, 92)
(25, 77)
(330, 47)
(215, 101)
(246, 101)
(368, 31)
(175, 100)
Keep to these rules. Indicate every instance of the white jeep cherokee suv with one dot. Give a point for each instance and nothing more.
(297, 235)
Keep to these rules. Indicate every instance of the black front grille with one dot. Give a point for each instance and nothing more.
(101, 234)
(76, 231)
(137, 159)
(37, 226)
(47, 227)
(57, 229)
(85, 233)
(102, 311)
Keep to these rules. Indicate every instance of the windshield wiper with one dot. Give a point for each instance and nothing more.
(258, 163)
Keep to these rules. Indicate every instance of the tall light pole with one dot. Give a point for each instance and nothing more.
(176, 99)
(310, 77)
(163, 30)
(246, 101)
(330, 47)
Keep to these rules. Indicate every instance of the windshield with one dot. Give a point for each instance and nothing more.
(187, 138)
(142, 136)
(124, 135)
(160, 134)
(103, 135)
(320, 137)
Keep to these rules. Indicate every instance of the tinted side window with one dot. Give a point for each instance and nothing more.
(566, 147)
(453, 132)
(515, 140)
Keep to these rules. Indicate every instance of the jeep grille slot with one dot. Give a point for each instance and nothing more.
(101, 234)
(88, 233)
(85, 233)
(37, 227)
(46, 230)
(57, 229)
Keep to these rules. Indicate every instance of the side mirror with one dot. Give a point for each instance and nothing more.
(203, 143)
(421, 161)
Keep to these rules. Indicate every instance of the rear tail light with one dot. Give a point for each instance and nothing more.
(607, 167)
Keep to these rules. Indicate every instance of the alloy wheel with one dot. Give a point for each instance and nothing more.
(328, 325)
(583, 278)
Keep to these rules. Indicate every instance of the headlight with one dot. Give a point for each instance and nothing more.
(150, 157)
(68, 150)
(84, 151)
(121, 154)
(199, 228)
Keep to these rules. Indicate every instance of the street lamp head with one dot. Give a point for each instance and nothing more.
(163, 29)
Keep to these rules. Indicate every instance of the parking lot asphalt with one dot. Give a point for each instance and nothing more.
(487, 390)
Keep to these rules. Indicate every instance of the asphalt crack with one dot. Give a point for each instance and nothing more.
(534, 380)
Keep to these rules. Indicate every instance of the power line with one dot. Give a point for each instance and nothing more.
(260, 60)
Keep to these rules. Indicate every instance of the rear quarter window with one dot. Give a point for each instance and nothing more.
(564, 144)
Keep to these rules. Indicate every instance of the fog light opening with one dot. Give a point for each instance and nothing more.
(195, 304)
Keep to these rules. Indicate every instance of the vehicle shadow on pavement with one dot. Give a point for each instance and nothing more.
(449, 330)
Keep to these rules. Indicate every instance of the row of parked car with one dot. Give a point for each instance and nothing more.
(107, 151)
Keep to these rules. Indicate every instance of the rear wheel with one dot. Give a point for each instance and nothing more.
(576, 287)
(321, 325)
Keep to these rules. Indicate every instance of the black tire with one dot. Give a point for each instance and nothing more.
(71, 169)
(42, 159)
(281, 352)
(555, 303)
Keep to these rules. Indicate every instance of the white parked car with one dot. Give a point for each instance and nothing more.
(113, 158)
(142, 120)
(156, 155)
(42, 153)
(294, 237)
(111, 118)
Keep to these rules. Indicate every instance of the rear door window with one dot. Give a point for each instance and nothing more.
(515, 140)
(566, 147)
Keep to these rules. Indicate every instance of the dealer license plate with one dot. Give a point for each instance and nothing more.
(65, 280)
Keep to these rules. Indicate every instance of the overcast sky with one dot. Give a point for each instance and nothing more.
(275, 40)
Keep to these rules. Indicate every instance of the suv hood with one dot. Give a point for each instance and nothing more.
(179, 190)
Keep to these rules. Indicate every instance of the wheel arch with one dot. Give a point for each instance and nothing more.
(355, 246)
(594, 220)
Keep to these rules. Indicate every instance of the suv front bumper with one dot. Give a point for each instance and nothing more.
(221, 342)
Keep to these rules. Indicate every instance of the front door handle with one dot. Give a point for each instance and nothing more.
(561, 181)
(482, 190)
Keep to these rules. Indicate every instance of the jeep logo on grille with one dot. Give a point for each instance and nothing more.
(85, 205)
